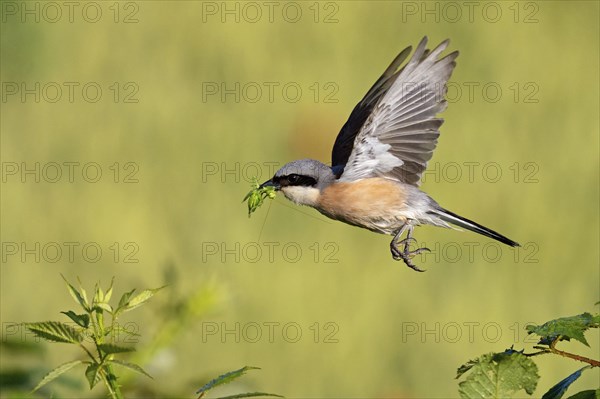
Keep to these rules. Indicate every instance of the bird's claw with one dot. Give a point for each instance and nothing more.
(406, 242)
(406, 254)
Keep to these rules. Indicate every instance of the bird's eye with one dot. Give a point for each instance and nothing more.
(293, 179)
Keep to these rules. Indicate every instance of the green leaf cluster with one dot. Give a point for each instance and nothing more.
(565, 328)
(257, 195)
(502, 375)
(91, 325)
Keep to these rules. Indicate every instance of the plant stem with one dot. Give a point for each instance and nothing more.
(88, 352)
(541, 352)
(110, 381)
(594, 363)
(552, 349)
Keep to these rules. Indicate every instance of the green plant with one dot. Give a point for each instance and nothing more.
(229, 377)
(91, 324)
(103, 344)
(257, 195)
(501, 375)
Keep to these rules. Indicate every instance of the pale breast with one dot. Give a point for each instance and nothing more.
(377, 204)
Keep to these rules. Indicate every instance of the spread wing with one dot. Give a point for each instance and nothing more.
(393, 131)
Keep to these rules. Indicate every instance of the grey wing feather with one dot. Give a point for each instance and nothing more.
(344, 142)
(398, 137)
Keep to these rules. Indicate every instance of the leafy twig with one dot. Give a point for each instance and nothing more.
(552, 349)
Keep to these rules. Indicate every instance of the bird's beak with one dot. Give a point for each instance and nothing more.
(269, 183)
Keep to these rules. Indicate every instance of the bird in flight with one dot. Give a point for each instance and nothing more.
(379, 155)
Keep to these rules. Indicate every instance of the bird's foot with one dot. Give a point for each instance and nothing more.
(406, 254)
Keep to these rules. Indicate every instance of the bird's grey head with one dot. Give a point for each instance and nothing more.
(302, 181)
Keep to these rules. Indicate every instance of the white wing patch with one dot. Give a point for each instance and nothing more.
(370, 154)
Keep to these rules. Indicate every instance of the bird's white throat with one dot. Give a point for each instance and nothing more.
(302, 195)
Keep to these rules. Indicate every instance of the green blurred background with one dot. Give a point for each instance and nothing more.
(190, 149)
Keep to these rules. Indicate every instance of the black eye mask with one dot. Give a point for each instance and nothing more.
(295, 180)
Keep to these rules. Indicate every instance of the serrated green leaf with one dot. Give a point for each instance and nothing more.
(82, 320)
(109, 291)
(250, 395)
(588, 394)
(565, 328)
(125, 299)
(55, 331)
(225, 379)
(131, 366)
(98, 295)
(499, 375)
(83, 294)
(103, 306)
(465, 367)
(56, 372)
(111, 348)
(141, 298)
(80, 298)
(558, 390)
(92, 373)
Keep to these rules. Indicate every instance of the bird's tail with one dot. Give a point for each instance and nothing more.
(465, 223)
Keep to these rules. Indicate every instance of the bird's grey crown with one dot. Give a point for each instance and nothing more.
(322, 173)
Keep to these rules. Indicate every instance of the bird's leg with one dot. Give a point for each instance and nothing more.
(406, 254)
(396, 254)
(406, 243)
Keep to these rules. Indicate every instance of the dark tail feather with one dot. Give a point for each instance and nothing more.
(465, 223)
